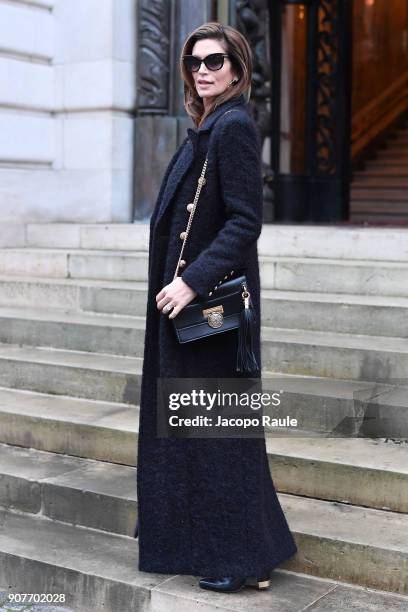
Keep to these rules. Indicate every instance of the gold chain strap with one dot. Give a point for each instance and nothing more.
(201, 182)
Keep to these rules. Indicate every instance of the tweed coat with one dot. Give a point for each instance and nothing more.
(206, 506)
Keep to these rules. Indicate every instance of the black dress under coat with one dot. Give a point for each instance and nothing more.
(206, 507)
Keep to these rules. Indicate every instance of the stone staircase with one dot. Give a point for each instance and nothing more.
(334, 339)
(379, 191)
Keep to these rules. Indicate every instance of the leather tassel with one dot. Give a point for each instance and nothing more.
(246, 360)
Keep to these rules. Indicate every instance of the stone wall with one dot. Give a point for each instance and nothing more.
(67, 101)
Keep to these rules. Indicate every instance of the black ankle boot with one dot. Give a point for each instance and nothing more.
(231, 584)
(225, 585)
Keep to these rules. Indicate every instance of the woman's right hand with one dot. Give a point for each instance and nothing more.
(174, 296)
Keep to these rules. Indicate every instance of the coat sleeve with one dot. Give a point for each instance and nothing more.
(240, 172)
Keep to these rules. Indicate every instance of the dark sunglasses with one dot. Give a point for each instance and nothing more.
(214, 61)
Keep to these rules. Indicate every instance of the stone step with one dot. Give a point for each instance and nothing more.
(75, 335)
(331, 275)
(387, 244)
(364, 193)
(335, 355)
(385, 162)
(388, 166)
(335, 541)
(351, 543)
(337, 406)
(96, 430)
(112, 377)
(123, 335)
(328, 241)
(83, 492)
(359, 471)
(395, 149)
(364, 472)
(114, 583)
(111, 236)
(335, 312)
(75, 263)
(359, 277)
(102, 376)
(89, 332)
(70, 369)
(379, 172)
(379, 182)
(391, 204)
(380, 208)
(79, 295)
(281, 240)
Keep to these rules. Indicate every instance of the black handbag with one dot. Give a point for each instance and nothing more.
(227, 307)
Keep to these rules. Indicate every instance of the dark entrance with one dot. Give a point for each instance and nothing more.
(330, 94)
(307, 55)
(310, 156)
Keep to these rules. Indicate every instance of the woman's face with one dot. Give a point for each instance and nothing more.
(214, 82)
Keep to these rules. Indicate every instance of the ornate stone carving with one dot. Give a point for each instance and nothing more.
(154, 21)
(327, 80)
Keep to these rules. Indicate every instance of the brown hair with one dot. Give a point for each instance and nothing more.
(236, 45)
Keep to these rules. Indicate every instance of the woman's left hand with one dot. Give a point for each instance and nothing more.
(174, 296)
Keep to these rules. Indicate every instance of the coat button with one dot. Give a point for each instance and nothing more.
(190, 206)
(182, 263)
(183, 235)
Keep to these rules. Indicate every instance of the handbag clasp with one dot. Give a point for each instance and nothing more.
(214, 315)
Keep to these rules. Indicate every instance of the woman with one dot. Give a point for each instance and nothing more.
(207, 507)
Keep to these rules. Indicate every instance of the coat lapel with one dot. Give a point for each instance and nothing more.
(187, 154)
(176, 175)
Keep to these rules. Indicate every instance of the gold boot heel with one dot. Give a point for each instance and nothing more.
(260, 583)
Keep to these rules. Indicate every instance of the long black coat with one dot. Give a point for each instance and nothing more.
(206, 506)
